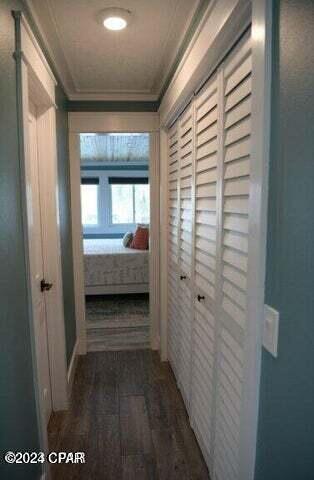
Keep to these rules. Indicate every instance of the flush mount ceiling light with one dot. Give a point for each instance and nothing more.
(115, 18)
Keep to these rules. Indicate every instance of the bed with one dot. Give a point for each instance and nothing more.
(111, 268)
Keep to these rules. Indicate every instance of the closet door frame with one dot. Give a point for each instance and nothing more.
(260, 152)
(261, 27)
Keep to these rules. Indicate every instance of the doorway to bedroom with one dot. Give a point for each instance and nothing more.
(115, 215)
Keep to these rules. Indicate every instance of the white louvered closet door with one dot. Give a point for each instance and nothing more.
(231, 361)
(173, 247)
(206, 163)
(185, 249)
(209, 205)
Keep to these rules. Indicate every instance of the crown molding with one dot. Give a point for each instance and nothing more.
(223, 22)
(191, 30)
(202, 15)
(62, 69)
(61, 66)
(113, 97)
(55, 58)
(166, 64)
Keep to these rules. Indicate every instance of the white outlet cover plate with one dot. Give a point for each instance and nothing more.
(271, 330)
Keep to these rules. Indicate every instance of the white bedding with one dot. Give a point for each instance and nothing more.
(112, 268)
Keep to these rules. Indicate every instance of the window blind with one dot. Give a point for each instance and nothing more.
(128, 180)
(89, 181)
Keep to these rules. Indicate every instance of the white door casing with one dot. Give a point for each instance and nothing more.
(106, 122)
(36, 86)
(37, 266)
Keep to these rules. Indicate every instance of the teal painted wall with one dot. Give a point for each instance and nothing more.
(285, 449)
(18, 420)
(65, 221)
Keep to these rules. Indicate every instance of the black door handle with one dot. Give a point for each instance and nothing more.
(200, 297)
(182, 277)
(45, 286)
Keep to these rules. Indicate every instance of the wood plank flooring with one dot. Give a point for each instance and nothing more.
(128, 416)
(117, 322)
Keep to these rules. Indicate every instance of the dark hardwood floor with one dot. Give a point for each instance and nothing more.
(128, 416)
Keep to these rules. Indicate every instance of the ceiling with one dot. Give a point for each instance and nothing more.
(124, 148)
(96, 64)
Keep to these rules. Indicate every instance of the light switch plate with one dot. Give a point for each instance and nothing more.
(271, 330)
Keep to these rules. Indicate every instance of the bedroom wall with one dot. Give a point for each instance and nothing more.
(286, 418)
(18, 418)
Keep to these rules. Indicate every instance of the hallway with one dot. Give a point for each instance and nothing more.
(128, 416)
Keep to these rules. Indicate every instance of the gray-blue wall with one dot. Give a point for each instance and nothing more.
(65, 221)
(286, 421)
(18, 420)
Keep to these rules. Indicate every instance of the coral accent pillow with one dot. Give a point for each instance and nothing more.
(140, 239)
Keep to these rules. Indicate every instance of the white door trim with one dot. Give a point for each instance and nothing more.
(164, 232)
(260, 152)
(77, 244)
(179, 93)
(35, 82)
(104, 122)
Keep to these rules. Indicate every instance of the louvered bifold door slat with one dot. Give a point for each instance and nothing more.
(186, 190)
(229, 415)
(206, 162)
(173, 247)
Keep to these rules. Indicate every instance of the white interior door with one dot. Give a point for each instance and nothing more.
(173, 248)
(37, 264)
(205, 265)
(230, 456)
(215, 221)
(185, 295)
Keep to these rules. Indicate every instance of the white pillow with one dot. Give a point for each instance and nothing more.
(127, 239)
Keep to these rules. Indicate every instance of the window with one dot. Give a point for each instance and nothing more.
(89, 201)
(122, 204)
(141, 203)
(129, 200)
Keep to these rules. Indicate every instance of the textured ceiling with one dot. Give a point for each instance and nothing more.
(114, 148)
(133, 61)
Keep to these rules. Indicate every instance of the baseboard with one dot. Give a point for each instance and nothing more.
(81, 348)
(155, 343)
(72, 367)
(44, 475)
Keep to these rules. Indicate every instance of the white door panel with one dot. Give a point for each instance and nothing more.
(205, 265)
(37, 265)
(209, 226)
(186, 214)
(231, 365)
(173, 248)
